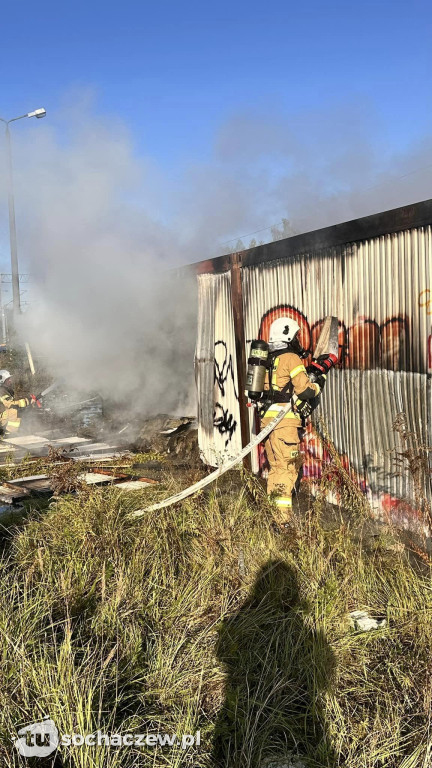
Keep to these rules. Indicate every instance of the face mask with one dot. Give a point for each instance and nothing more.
(275, 345)
(298, 349)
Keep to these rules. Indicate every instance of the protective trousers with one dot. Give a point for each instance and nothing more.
(14, 421)
(284, 458)
(10, 421)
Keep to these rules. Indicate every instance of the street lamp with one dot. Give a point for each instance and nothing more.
(12, 228)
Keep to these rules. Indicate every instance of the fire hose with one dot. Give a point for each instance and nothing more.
(220, 470)
(325, 356)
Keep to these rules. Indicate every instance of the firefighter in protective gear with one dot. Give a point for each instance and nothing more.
(9, 406)
(286, 380)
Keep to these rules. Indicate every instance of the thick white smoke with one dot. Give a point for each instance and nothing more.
(100, 227)
(107, 312)
(313, 168)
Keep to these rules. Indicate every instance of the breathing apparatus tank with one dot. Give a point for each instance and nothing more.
(256, 370)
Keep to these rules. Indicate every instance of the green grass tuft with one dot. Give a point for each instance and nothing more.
(199, 617)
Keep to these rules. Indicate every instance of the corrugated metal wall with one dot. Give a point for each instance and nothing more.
(380, 291)
(216, 371)
(374, 288)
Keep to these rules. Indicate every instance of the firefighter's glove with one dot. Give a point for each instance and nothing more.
(322, 365)
(315, 372)
(303, 407)
(327, 361)
(306, 407)
(321, 380)
(34, 402)
(314, 403)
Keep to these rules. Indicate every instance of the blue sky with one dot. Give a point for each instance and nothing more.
(173, 72)
(199, 123)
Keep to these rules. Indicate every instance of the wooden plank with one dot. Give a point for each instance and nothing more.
(97, 448)
(134, 485)
(240, 344)
(19, 480)
(73, 440)
(95, 478)
(96, 457)
(6, 448)
(33, 483)
(25, 441)
(121, 479)
(9, 493)
(30, 358)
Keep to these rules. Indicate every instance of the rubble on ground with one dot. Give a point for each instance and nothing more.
(66, 462)
(89, 418)
(167, 434)
(66, 477)
(361, 621)
(41, 445)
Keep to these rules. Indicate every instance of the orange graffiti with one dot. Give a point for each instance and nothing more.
(394, 344)
(365, 345)
(284, 310)
(427, 302)
(316, 457)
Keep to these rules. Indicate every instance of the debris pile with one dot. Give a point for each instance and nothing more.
(76, 440)
(66, 477)
(361, 621)
(167, 434)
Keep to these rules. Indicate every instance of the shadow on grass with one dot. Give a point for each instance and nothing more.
(277, 668)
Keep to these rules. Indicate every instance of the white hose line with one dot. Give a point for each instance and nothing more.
(220, 470)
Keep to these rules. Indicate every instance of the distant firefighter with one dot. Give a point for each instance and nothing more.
(286, 379)
(10, 419)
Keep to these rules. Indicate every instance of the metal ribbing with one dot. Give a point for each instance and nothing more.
(375, 289)
(216, 370)
(204, 361)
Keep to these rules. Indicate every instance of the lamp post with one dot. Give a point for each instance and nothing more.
(12, 227)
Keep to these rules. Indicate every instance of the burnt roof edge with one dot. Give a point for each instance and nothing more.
(387, 222)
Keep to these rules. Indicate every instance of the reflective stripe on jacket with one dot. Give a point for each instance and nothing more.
(8, 402)
(288, 367)
(13, 424)
(9, 419)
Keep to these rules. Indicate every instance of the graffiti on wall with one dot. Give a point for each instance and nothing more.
(425, 300)
(225, 384)
(364, 345)
(224, 368)
(315, 456)
(224, 422)
(381, 290)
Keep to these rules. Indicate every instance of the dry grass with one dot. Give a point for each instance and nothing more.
(199, 617)
(414, 459)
